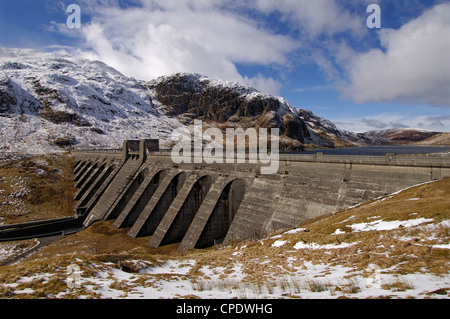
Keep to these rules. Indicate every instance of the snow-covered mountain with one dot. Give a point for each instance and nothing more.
(51, 101)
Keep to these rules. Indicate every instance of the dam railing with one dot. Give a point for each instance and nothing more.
(426, 160)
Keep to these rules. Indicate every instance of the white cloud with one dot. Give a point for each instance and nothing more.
(316, 17)
(263, 84)
(415, 66)
(160, 38)
(211, 37)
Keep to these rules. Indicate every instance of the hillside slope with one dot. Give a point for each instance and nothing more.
(405, 136)
(438, 139)
(50, 102)
(36, 188)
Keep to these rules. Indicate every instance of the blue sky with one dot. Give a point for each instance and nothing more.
(319, 55)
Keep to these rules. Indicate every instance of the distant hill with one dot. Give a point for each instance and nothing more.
(405, 137)
(438, 139)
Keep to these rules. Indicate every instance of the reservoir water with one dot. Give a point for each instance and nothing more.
(380, 150)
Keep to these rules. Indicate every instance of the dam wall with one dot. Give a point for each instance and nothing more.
(199, 204)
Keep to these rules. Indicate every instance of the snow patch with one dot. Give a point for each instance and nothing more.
(380, 225)
(279, 243)
(443, 246)
(314, 246)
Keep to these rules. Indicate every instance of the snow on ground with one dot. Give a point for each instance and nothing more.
(444, 246)
(301, 245)
(309, 281)
(297, 278)
(379, 225)
(11, 249)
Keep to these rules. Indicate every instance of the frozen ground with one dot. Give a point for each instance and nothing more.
(297, 277)
(173, 279)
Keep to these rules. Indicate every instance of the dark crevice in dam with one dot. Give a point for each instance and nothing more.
(187, 212)
(82, 171)
(91, 198)
(86, 176)
(223, 214)
(160, 209)
(136, 182)
(144, 199)
(91, 180)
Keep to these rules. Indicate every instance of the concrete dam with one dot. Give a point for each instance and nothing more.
(200, 204)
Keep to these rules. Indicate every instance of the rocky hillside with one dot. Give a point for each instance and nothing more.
(227, 105)
(51, 102)
(36, 188)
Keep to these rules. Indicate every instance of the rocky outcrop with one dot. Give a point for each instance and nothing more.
(191, 96)
(14, 99)
(7, 95)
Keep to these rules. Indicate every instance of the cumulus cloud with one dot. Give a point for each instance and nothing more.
(374, 123)
(412, 67)
(163, 37)
(315, 17)
(439, 121)
(154, 38)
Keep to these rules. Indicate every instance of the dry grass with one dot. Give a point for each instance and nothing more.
(103, 240)
(36, 188)
(15, 248)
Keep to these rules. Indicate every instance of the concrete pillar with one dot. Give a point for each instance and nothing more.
(319, 156)
(142, 151)
(125, 150)
(389, 156)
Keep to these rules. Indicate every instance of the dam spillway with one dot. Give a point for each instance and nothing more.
(198, 204)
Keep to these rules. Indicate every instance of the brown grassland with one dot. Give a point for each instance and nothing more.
(36, 188)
